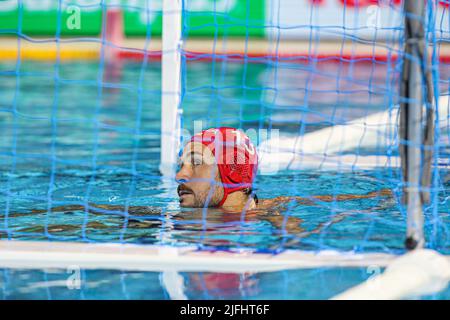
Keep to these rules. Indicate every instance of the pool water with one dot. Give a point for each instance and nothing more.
(323, 283)
(67, 145)
(102, 284)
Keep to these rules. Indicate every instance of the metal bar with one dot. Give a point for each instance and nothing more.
(154, 258)
(412, 91)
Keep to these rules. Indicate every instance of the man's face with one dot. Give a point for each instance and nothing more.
(198, 177)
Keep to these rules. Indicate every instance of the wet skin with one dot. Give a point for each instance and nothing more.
(200, 187)
(198, 177)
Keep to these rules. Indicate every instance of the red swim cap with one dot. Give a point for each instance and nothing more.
(235, 155)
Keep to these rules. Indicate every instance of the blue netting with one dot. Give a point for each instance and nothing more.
(80, 143)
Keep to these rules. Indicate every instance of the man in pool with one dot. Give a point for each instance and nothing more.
(217, 170)
(218, 167)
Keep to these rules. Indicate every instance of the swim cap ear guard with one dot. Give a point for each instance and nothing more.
(236, 157)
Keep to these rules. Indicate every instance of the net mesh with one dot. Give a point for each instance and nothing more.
(317, 81)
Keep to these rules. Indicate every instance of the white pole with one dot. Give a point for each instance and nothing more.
(171, 85)
(417, 273)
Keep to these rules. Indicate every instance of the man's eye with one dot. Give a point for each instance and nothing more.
(196, 162)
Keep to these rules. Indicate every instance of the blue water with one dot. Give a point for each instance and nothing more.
(66, 144)
(321, 283)
(102, 284)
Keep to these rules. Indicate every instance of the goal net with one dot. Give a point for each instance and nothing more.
(98, 98)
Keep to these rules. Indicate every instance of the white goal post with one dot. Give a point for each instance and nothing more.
(171, 85)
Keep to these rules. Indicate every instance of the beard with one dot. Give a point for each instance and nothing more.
(206, 199)
(202, 198)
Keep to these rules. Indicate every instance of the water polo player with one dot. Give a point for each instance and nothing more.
(217, 169)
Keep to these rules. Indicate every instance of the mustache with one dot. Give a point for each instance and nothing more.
(182, 187)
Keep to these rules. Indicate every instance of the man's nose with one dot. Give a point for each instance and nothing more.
(183, 175)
